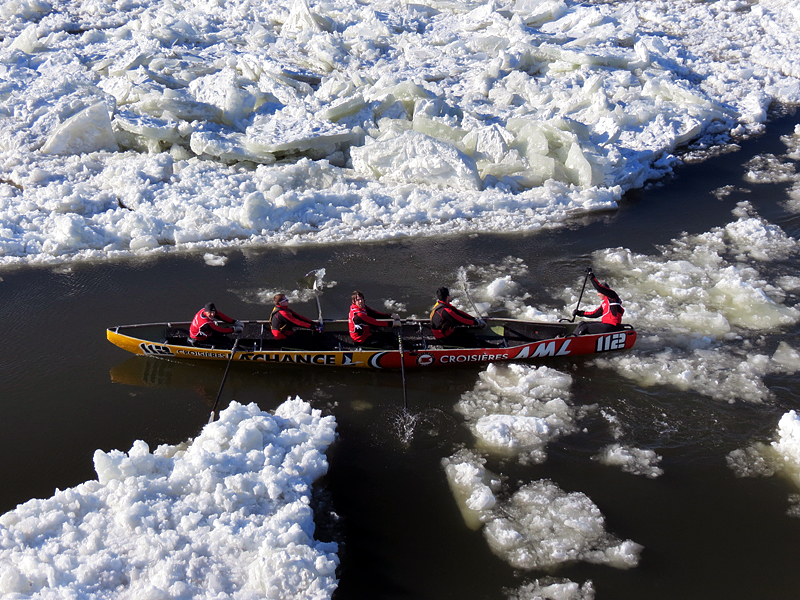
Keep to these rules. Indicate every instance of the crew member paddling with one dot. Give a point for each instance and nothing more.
(447, 322)
(610, 310)
(362, 318)
(284, 322)
(212, 327)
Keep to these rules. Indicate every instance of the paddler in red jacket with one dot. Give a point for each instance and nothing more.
(610, 310)
(284, 321)
(448, 323)
(208, 327)
(362, 317)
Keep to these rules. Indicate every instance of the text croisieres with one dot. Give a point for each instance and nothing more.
(472, 358)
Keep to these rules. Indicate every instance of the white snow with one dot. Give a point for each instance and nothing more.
(554, 589)
(225, 515)
(149, 127)
(541, 526)
(779, 456)
(515, 410)
(788, 444)
(702, 304)
(636, 461)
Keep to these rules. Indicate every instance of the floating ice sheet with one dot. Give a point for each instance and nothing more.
(432, 119)
(637, 461)
(780, 456)
(515, 410)
(703, 305)
(540, 526)
(225, 515)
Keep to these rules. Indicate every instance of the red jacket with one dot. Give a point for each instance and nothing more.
(284, 321)
(446, 317)
(361, 319)
(610, 307)
(202, 326)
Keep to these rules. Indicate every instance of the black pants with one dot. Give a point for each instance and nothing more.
(585, 327)
(380, 339)
(303, 339)
(216, 339)
(463, 337)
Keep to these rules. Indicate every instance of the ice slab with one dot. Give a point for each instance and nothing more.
(87, 131)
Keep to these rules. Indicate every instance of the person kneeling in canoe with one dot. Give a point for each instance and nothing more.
(362, 317)
(610, 310)
(212, 327)
(284, 322)
(448, 323)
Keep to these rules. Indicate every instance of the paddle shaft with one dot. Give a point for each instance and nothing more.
(224, 377)
(580, 297)
(319, 306)
(402, 364)
(466, 291)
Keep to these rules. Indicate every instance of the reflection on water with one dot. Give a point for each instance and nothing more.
(412, 428)
(165, 373)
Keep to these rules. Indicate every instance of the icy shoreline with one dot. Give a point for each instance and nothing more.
(201, 126)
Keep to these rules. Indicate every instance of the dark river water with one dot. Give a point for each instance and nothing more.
(706, 533)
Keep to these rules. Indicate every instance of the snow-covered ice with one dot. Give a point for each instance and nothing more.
(540, 526)
(146, 127)
(780, 456)
(226, 515)
(515, 410)
(637, 461)
(130, 128)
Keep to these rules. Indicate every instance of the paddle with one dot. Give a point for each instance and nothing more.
(319, 307)
(224, 376)
(462, 273)
(580, 297)
(402, 364)
(315, 287)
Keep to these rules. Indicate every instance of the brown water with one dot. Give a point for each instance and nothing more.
(706, 533)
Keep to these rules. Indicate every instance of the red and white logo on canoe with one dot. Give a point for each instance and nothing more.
(423, 360)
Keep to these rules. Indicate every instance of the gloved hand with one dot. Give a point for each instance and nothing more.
(480, 323)
(396, 322)
(238, 327)
(589, 271)
(577, 313)
(319, 328)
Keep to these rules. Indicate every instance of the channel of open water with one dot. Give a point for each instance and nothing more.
(706, 533)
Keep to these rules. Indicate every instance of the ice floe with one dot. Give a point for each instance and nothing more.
(302, 121)
(226, 514)
(540, 526)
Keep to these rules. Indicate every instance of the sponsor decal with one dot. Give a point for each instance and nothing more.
(314, 359)
(615, 341)
(463, 358)
(203, 353)
(425, 360)
(155, 349)
(552, 348)
(375, 360)
(347, 360)
(549, 349)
